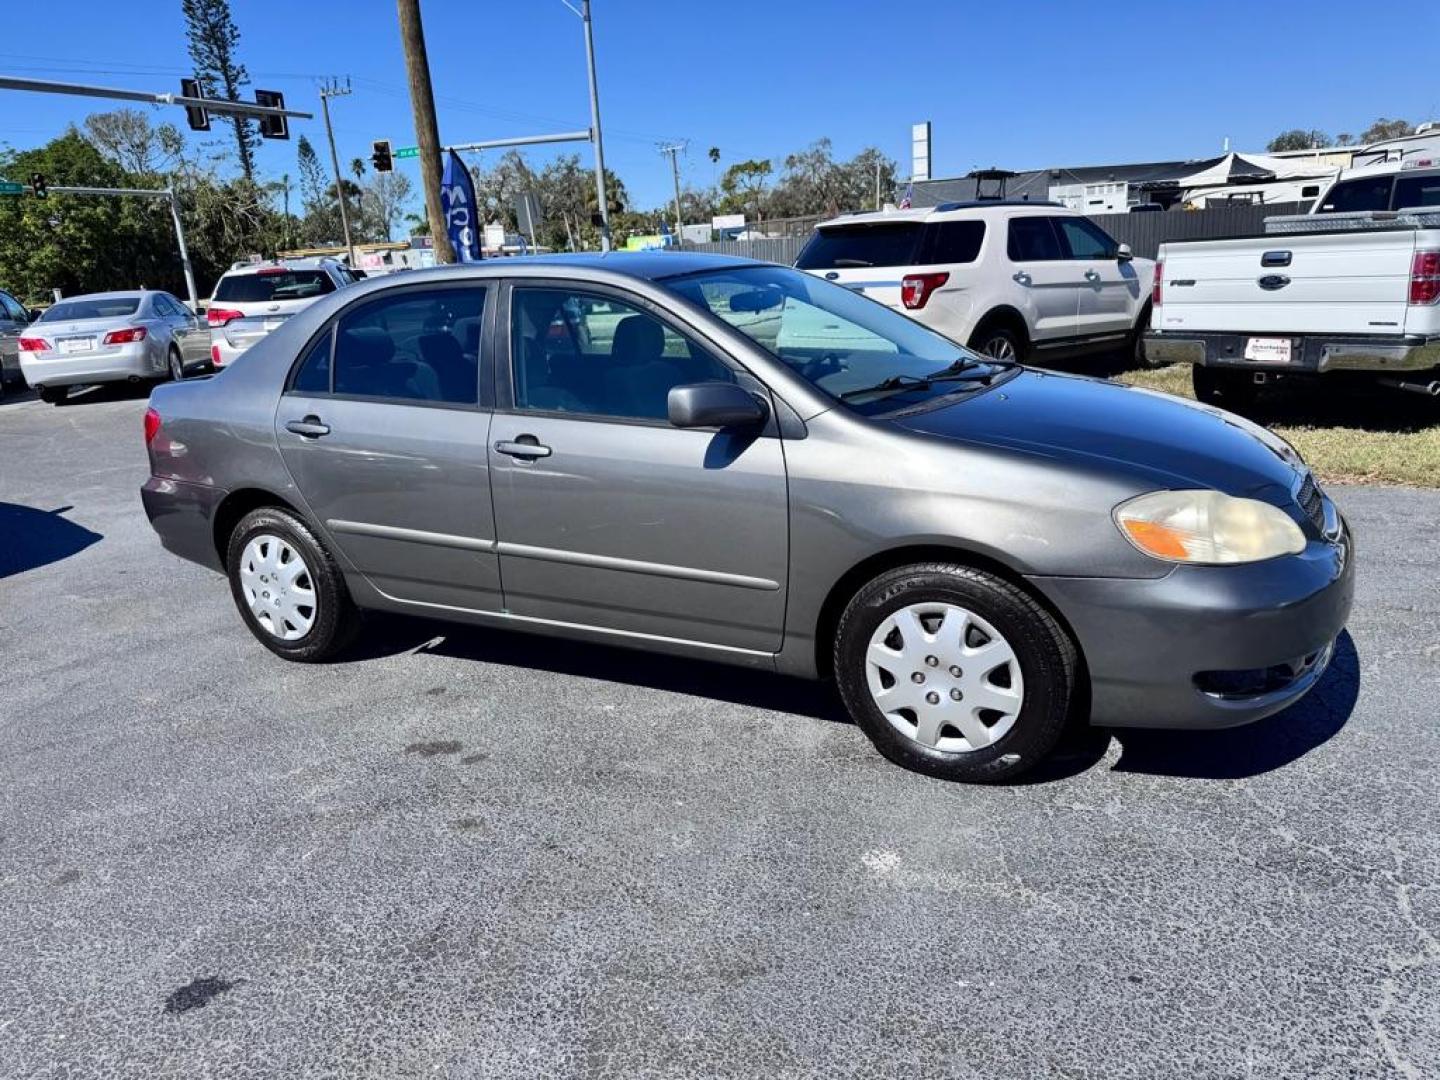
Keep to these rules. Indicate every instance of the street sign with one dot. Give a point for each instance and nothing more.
(8, 187)
(406, 151)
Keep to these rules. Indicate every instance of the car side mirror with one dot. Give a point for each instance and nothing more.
(1123, 253)
(714, 404)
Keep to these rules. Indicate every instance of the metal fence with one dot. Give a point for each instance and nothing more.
(1144, 232)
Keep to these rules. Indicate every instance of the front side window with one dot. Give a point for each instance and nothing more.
(891, 243)
(1033, 239)
(873, 359)
(410, 346)
(1085, 240)
(1355, 196)
(273, 283)
(575, 352)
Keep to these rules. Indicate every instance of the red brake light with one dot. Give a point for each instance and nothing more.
(1157, 290)
(270, 271)
(124, 337)
(221, 316)
(915, 289)
(1424, 278)
(152, 425)
(34, 344)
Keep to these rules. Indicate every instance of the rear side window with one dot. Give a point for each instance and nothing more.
(847, 246)
(416, 345)
(266, 285)
(953, 242)
(1033, 239)
(1354, 196)
(1417, 191)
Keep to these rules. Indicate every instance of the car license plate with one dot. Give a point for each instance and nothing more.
(77, 344)
(1269, 350)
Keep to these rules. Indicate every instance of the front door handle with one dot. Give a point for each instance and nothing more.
(310, 427)
(526, 447)
(1091, 275)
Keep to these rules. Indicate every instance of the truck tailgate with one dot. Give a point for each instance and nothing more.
(1330, 283)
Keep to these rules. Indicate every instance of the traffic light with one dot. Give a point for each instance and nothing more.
(37, 186)
(273, 127)
(195, 115)
(381, 157)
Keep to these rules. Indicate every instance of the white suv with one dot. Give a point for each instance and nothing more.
(251, 299)
(1016, 280)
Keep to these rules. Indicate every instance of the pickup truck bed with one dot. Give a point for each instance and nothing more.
(1303, 302)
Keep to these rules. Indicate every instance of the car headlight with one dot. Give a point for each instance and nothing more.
(1207, 527)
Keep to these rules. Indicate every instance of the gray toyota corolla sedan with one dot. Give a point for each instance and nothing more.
(737, 461)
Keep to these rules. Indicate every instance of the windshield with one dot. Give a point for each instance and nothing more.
(854, 349)
(273, 285)
(113, 307)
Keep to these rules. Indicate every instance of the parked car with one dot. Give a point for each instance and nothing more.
(14, 318)
(1014, 280)
(621, 449)
(252, 299)
(1352, 287)
(110, 337)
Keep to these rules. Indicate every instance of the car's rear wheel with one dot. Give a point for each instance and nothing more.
(55, 395)
(177, 365)
(1228, 388)
(999, 341)
(955, 672)
(287, 587)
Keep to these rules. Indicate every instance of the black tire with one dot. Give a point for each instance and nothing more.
(1138, 356)
(1225, 387)
(336, 619)
(176, 363)
(994, 338)
(55, 395)
(1048, 659)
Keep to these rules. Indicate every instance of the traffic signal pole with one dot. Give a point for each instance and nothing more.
(237, 108)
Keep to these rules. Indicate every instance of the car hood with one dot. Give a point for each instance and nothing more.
(1156, 439)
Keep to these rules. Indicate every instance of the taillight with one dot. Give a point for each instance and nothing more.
(34, 344)
(221, 316)
(152, 425)
(915, 289)
(1157, 290)
(126, 336)
(1425, 277)
(215, 356)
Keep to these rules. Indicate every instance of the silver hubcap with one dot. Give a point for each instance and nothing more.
(944, 677)
(278, 587)
(176, 371)
(1001, 348)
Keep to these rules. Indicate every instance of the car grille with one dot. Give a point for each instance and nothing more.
(1312, 502)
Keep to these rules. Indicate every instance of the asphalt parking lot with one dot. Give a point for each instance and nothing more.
(464, 853)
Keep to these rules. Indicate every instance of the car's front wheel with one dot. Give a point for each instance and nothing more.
(176, 364)
(289, 591)
(955, 672)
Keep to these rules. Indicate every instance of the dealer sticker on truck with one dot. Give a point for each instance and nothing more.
(1268, 350)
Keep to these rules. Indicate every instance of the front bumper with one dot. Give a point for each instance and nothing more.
(183, 514)
(1171, 652)
(1311, 354)
(135, 361)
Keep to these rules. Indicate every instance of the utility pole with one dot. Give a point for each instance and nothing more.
(595, 128)
(333, 89)
(427, 132)
(285, 184)
(673, 149)
(877, 182)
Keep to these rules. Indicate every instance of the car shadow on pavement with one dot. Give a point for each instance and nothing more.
(1228, 754)
(388, 635)
(31, 537)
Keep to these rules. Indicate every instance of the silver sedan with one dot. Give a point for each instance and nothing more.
(111, 337)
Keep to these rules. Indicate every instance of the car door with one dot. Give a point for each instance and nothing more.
(385, 437)
(192, 338)
(13, 320)
(1049, 288)
(606, 515)
(1109, 287)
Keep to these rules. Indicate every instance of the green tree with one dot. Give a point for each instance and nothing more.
(383, 203)
(1297, 139)
(744, 186)
(214, 41)
(1383, 129)
(127, 137)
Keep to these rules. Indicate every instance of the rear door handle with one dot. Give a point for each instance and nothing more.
(310, 427)
(1022, 277)
(526, 447)
(1091, 275)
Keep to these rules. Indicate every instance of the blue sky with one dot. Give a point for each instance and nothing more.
(1016, 85)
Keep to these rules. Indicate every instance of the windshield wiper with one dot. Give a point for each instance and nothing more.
(964, 368)
(890, 385)
(851, 262)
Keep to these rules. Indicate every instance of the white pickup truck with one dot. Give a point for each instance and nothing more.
(1352, 286)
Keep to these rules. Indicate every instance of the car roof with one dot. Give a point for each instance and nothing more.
(310, 262)
(944, 211)
(646, 265)
(121, 294)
